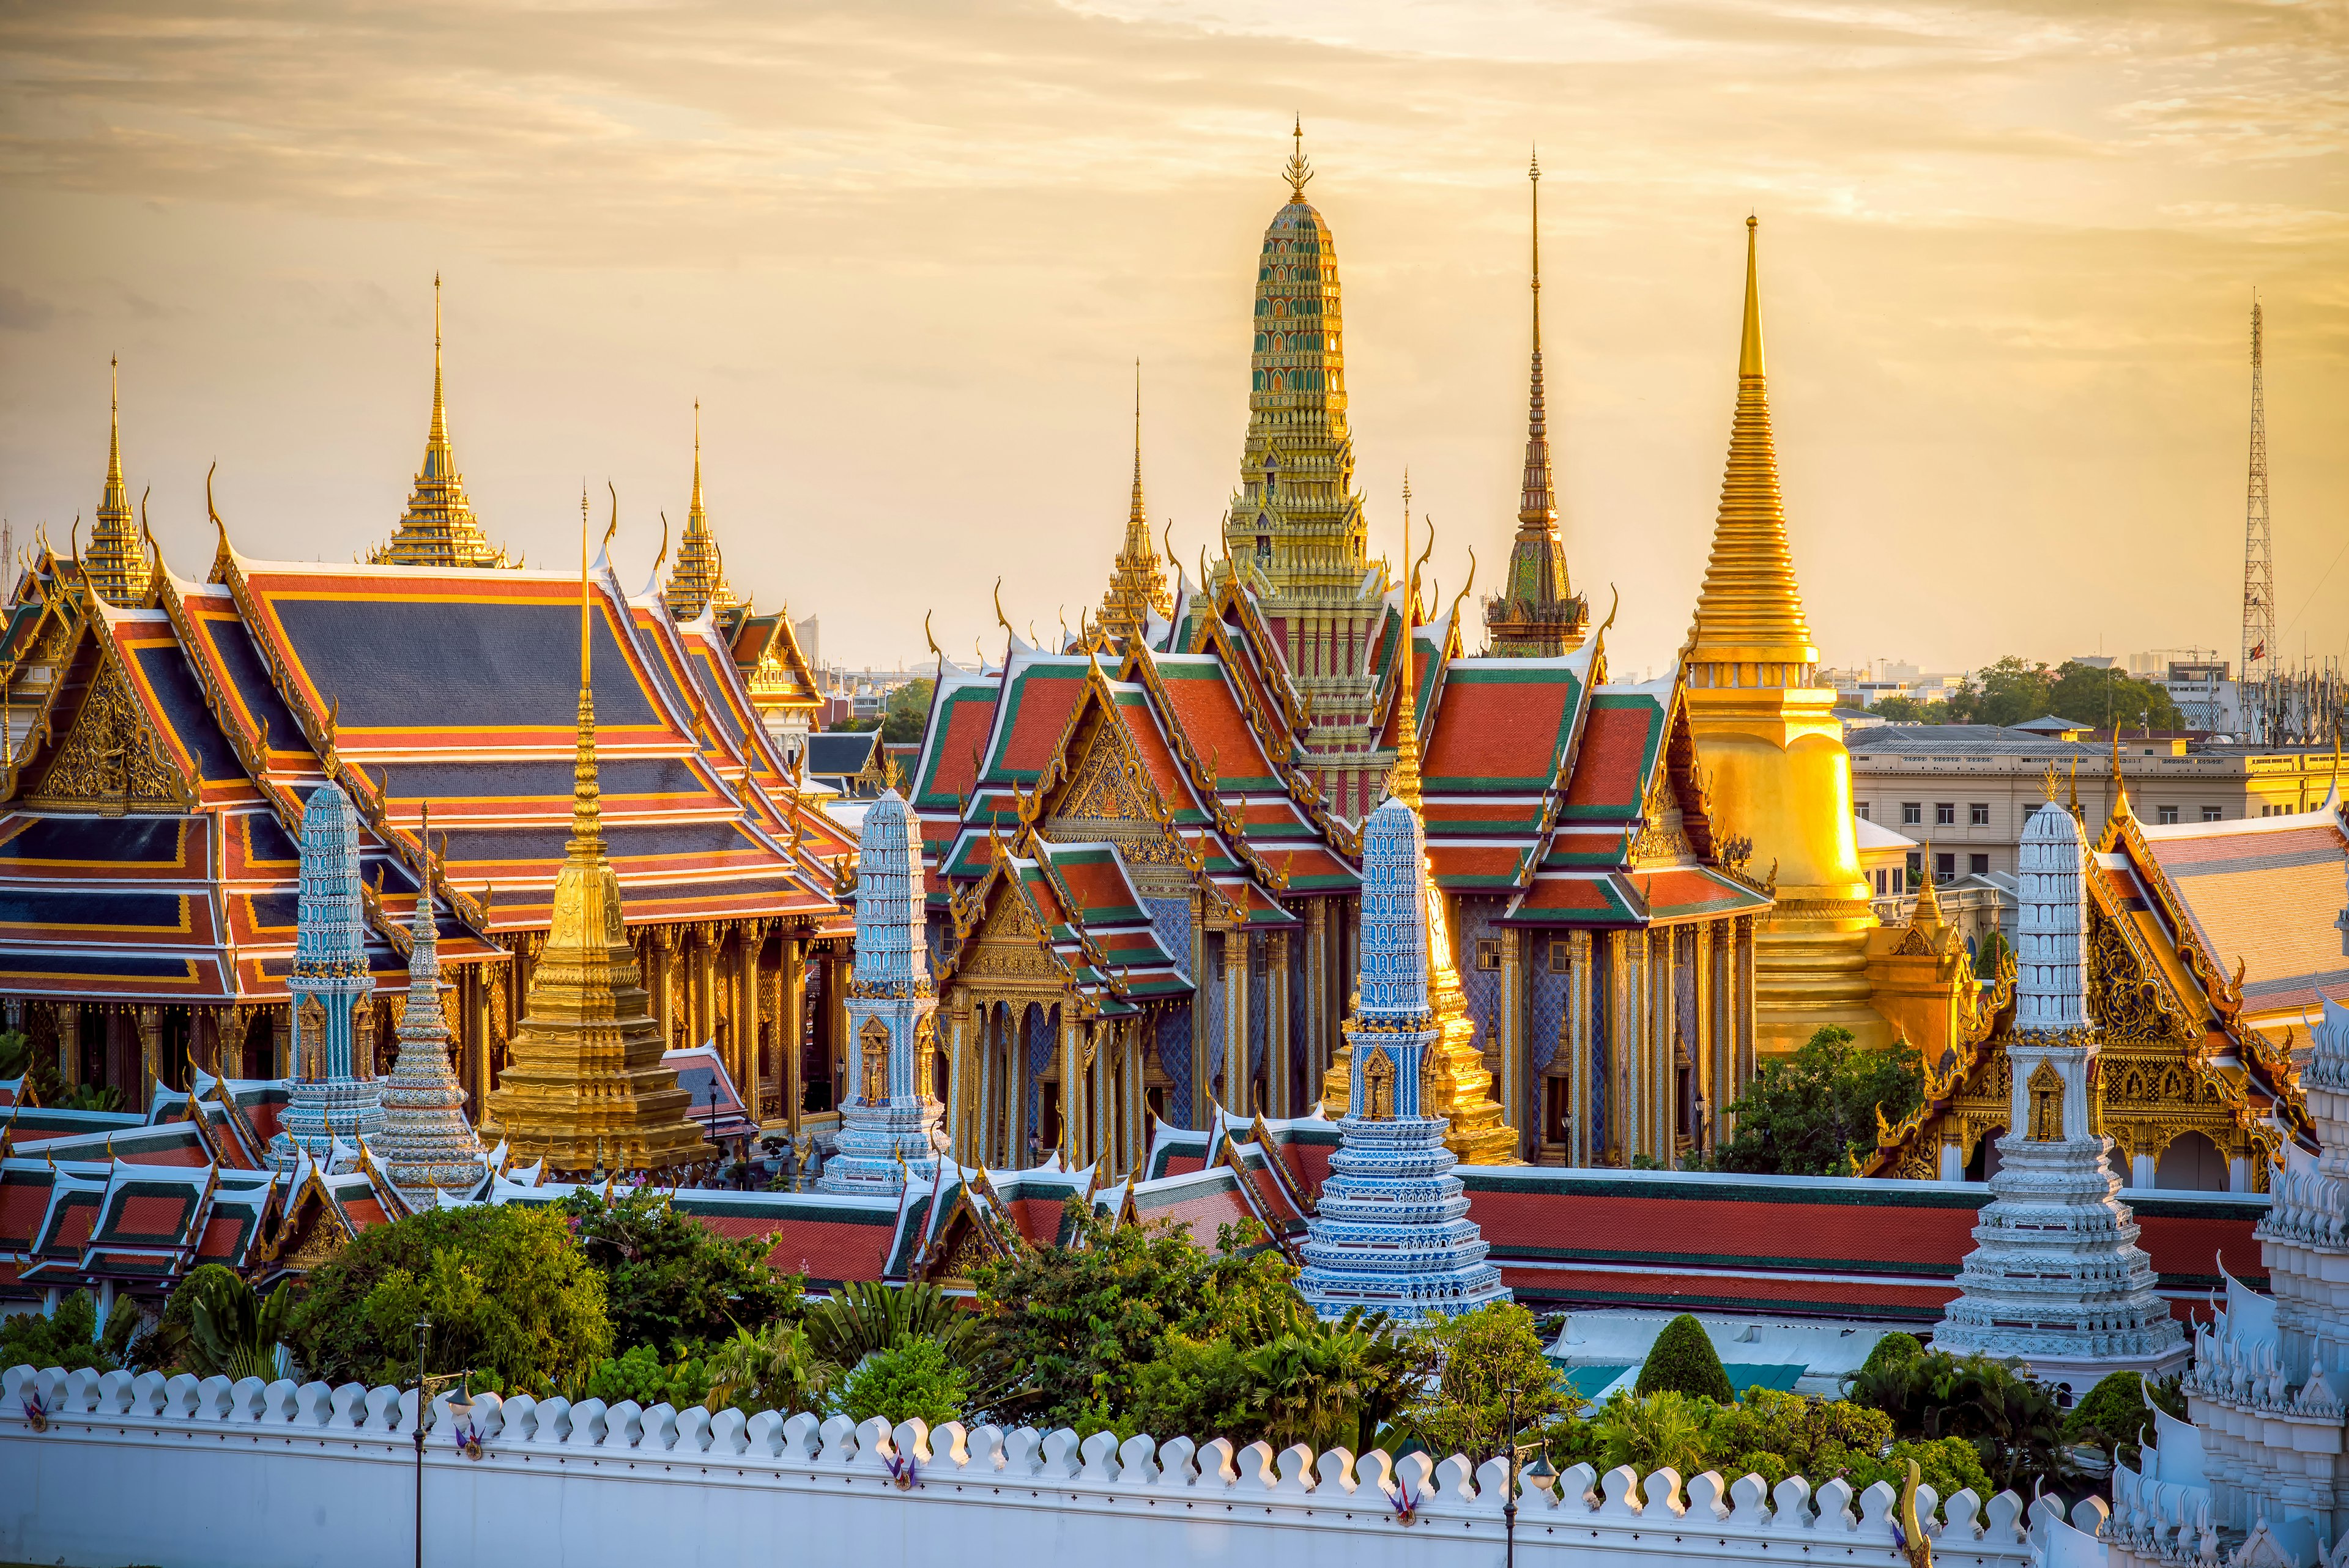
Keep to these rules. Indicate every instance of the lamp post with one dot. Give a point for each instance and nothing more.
(459, 1409)
(1508, 1501)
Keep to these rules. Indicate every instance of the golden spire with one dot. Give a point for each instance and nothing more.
(2120, 784)
(1404, 783)
(1928, 912)
(115, 565)
(1750, 610)
(586, 1058)
(1297, 171)
(439, 527)
(1137, 585)
(699, 582)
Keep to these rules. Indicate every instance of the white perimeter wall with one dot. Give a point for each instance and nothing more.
(213, 1475)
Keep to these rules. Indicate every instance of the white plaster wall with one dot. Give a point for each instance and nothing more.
(211, 1475)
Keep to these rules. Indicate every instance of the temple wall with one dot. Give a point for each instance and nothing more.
(254, 1476)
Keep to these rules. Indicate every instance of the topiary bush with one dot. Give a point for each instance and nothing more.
(1682, 1360)
(911, 1378)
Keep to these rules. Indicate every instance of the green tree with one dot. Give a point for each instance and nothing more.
(671, 1281)
(775, 1367)
(509, 1291)
(69, 1337)
(911, 1378)
(1682, 1360)
(2013, 690)
(2110, 696)
(1986, 960)
(1072, 1328)
(1483, 1355)
(1809, 1114)
(2012, 1422)
(907, 715)
(1652, 1431)
(1902, 710)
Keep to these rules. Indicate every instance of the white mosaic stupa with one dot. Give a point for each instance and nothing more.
(889, 1123)
(329, 1099)
(2056, 1278)
(427, 1146)
(1392, 1230)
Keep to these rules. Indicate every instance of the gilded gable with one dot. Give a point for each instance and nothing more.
(112, 759)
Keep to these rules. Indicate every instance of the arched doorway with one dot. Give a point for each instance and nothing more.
(2191, 1164)
(1984, 1164)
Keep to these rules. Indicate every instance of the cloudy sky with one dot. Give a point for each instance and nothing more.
(907, 254)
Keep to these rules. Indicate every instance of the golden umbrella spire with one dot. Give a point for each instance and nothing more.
(587, 845)
(699, 582)
(1750, 610)
(1137, 585)
(1298, 171)
(439, 528)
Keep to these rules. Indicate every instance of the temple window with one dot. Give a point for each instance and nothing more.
(2168, 814)
(2046, 1105)
(1978, 865)
(1912, 814)
(1978, 815)
(2214, 814)
(1862, 808)
(1378, 1085)
(1561, 956)
(1945, 814)
(1945, 865)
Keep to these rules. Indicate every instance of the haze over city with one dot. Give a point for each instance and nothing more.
(907, 259)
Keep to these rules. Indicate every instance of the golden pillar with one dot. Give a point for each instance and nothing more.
(476, 994)
(791, 1025)
(837, 974)
(1072, 1089)
(1203, 977)
(150, 1054)
(1514, 1078)
(960, 1077)
(661, 945)
(1238, 957)
(1581, 992)
(281, 1040)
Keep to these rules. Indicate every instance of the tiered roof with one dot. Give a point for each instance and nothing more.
(154, 799)
(439, 527)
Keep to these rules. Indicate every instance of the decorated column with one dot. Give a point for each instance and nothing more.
(329, 980)
(1391, 1233)
(888, 1119)
(2057, 1277)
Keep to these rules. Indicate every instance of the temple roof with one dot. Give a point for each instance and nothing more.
(437, 528)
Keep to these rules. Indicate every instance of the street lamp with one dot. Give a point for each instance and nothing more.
(459, 1408)
(1509, 1499)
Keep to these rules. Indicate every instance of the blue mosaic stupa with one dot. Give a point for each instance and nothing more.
(427, 1146)
(334, 1093)
(889, 1121)
(1392, 1232)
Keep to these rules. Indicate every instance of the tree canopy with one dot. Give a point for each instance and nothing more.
(2015, 690)
(1807, 1114)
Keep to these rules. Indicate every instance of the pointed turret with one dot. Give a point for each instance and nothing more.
(1137, 588)
(1536, 614)
(439, 527)
(1767, 732)
(426, 1147)
(586, 1068)
(1750, 611)
(115, 563)
(698, 583)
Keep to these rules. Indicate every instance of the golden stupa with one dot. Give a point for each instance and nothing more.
(1458, 1086)
(1768, 738)
(585, 1088)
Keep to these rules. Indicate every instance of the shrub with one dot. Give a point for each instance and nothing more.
(1683, 1361)
(510, 1294)
(1891, 1349)
(866, 1316)
(911, 1380)
(640, 1376)
(2114, 1416)
(1819, 1438)
(1651, 1431)
(232, 1331)
(774, 1369)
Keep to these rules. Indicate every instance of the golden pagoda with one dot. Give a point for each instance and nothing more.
(699, 580)
(1137, 588)
(1456, 1085)
(1537, 614)
(439, 527)
(1767, 736)
(585, 1087)
(115, 563)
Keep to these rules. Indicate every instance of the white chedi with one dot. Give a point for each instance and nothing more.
(2056, 1278)
(889, 1123)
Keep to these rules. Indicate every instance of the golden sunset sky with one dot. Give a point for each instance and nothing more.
(906, 256)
